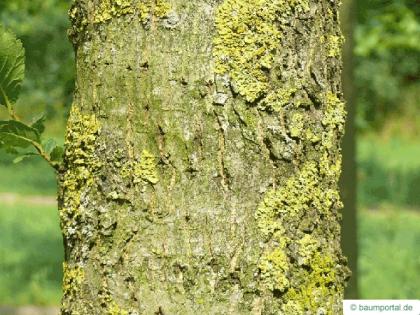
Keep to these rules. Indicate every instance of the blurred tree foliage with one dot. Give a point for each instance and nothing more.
(42, 26)
(387, 50)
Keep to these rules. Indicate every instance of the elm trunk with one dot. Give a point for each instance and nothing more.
(202, 158)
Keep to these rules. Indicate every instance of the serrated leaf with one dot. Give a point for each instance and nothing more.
(12, 66)
(11, 140)
(57, 154)
(15, 134)
(19, 129)
(38, 123)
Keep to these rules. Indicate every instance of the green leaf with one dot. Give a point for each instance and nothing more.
(12, 66)
(38, 123)
(17, 134)
(57, 154)
(20, 129)
(11, 140)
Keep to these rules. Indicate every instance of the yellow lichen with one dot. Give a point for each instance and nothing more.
(292, 308)
(333, 121)
(146, 169)
(312, 136)
(307, 248)
(106, 300)
(115, 309)
(334, 113)
(319, 288)
(81, 163)
(276, 99)
(143, 169)
(334, 43)
(144, 12)
(109, 9)
(162, 8)
(72, 279)
(248, 35)
(296, 125)
(330, 166)
(299, 193)
(148, 8)
(273, 266)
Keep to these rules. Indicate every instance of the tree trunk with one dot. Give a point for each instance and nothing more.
(348, 181)
(202, 158)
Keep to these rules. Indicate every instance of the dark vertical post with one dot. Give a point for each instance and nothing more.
(348, 183)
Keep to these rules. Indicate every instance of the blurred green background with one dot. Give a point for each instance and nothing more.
(387, 81)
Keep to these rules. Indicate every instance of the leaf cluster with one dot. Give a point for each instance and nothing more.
(16, 136)
(49, 76)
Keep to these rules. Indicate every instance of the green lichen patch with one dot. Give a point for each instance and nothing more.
(267, 214)
(80, 162)
(107, 302)
(334, 44)
(300, 192)
(308, 245)
(141, 169)
(110, 9)
(292, 308)
(304, 191)
(276, 99)
(73, 277)
(248, 35)
(333, 121)
(312, 135)
(273, 267)
(148, 8)
(335, 113)
(297, 123)
(146, 170)
(246, 115)
(330, 166)
(320, 286)
(115, 309)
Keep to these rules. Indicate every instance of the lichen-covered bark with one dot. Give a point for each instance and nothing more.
(202, 158)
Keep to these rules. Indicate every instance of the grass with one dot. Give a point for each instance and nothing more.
(388, 171)
(31, 254)
(30, 177)
(389, 263)
(392, 153)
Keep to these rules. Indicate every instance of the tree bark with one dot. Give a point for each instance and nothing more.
(202, 158)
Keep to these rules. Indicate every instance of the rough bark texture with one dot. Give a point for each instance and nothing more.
(202, 158)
